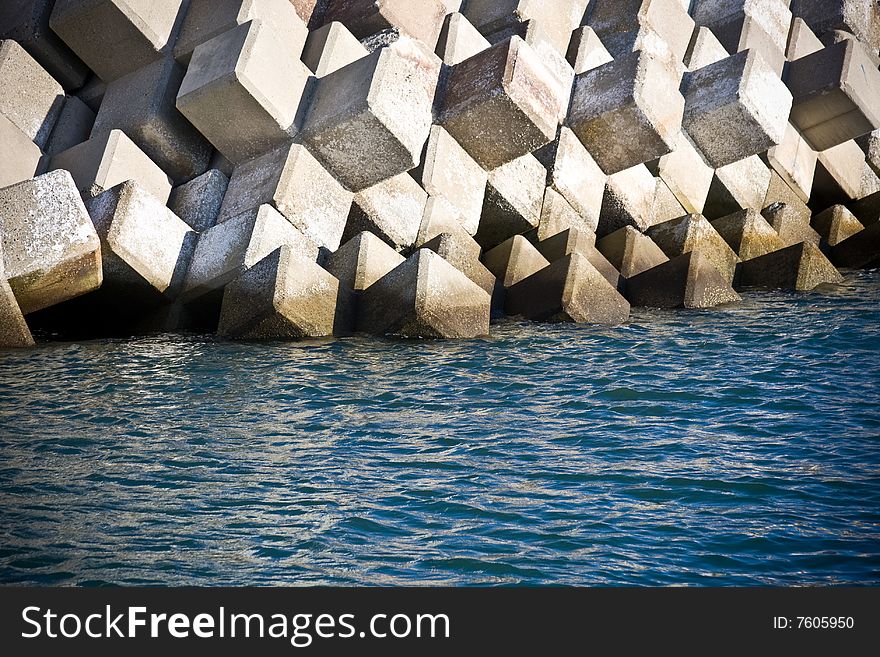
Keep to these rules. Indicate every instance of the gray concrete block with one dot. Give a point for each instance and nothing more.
(369, 121)
(422, 20)
(14, 331)
(557, 215)
(51, 250)
(92, 92)
(802, 41)
(736, 186)
(507, 85)
(74, 125)
(791, 223)
(198, 202)
(292, 180)
(440, 216)
(285, 296)
(463, 253)
(513, 202)
(32, 99)
(514, 260)
(583, 243)
(795, 162)
(842, 175)
(109, 160)
(559, 19)
(393, 210)
(759, 26)
(870, 145)
(704, 49)
(243, 94)
(867, 209)
(117, 37)
(630, 252)
(362, 261)
(459, 40)
(835, 225)
(628, 200)
(663, 27)
(628, 111)
(561, 72)
(685, 173)
(689, 280)
(586, 50)
(425, 297)
(331, 47)
(858, 17)
(311, 12)
(569, 290)
(735, 108)
(694, 233)
(748, 234)
(861, 251)
(20, 158)
(800, 267)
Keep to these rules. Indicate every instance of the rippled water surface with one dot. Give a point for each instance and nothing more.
(737, 446)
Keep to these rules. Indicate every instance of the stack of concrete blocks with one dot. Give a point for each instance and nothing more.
(283, 169)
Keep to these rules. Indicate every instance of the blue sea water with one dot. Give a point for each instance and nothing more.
(738, 446)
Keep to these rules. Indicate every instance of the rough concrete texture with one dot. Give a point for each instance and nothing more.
(842, 175)
(587, 51)
(145, 247)
(628, 200)
(285, 296)
(116, 37)
(561, 72)
(422, 20)
(861, 251)
(31, 98)
(370, 120)
(362, 261)
(835, 225)
(569, 290)
(298, 186)
(227, 250)
(628, 111)
(393, 210)
(331, 47)
(867, 209)
(686, 281)
(791, 223)
(109, 160)
(795, 162)
(691, 233)
(630, 252)
(459, 40)
(735, 108)
(463, 253)
(440, 216)
(242, 93)
(661, 26)
(740, 185)
(685, 173)
(870, 145)
(198, 202)
(559, 18)
(860, 17)
(583, 243)
(14, 331)
(50, 248)
(704, 49)
(748, 234)
(557, 215)
(513, 202)
(20, 158)
(74, 125)
(514, 260)
(425, 297)
(802, 41)
(800, 267)
(92, 92)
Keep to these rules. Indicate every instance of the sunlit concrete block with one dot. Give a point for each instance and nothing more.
(573, 240)
(663, 27)
(514, 260)
(704, 49)
(463, 253)
(689, 280)
(513, 202)
(859, 17)
(748, 234)
(393, 210)
(795, 162)
(691, 233)
(628, 200)
(740, 185)
(74, 125)
(31, 98)
(459, 40)
(587, 51)
(362, 261)
(685, 173)
(630, 252)
(20, 158)
(835, 225)
(330, 48)
(800, 267)
(421, 20)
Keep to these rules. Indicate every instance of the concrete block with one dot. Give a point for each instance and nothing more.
(570, 241)
(569, 290)
(298, 186)
(628, 111)
(867, 209)
(835, 225)
(630, 252)
(762, 27)
(311, 12)
(20, 158)
(362, 261)
(704, 49)
(859, 17)
(463, 253)
(779, 191)
(14, 331)
(32, 99)
(735, 108)
(370, 120)
(145, 248)
(285, 296)
(748, 234)
(665, 206)
(513, 202)
(800, 267)
(514, 260)
(736, 186)
(628, 200)
(791, 223)
(27, 22)
(663, 27)
(685, 173)
(109, 160)
(92, 92)
(689, 280)
(459, 40)
(198, 202)
(243, 94)
(422, 20)
(117, 37)
(693, 232)
(870, 145)
(507, 85)
(836, 94)
(574, 174)
(447, 170)
(557, 215)
(330, 48)
(802, 41)
(559, 18)
(393, 210)
(842, 175)
(74, 125)
(425, 297)
(142, 105)
(227, 250)
(440, 216)
(587, 51)
(206, 19)
(795, 162)
(861, 251)
(51, 250)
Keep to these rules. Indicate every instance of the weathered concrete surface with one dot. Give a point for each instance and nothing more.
(292, 180)
(393, 210)
(422, 20)
(795, 162)
(685, 173)
(20, 158)
(31, 98)
(362, 261)
(748, 234)
(569, 290)
(694, 232)
(513, 202)
(330, 48)
(628, 200)
(229, 249)
(198, 202)
(801, 267)
(583, 243)
(704, 49)
(861, 251)
(835, 225)
(870, 145)
(663, 27)
(587, 51)
(109, 160)
(507, 85)
(51, 250)
(867, 209)
(856, 16)
(628, 111)
(686, 281)
(557, 215)
(737, 186)
(630, 252)
(802, 41)
(370, 120)
(497, 16)
(14, 331)
(514, 260)
(285, 296)
(463, 253)
(842, 175)
(459, 40)
(425, 297)
(791, 223)
(74, 125)
(440, 216)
